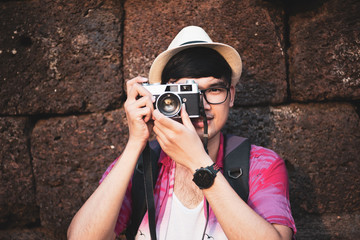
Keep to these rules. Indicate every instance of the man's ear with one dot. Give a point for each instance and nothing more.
(232, 96)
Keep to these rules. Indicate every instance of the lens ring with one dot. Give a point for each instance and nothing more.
(169, 104)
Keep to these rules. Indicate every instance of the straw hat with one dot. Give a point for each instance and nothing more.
(193, 36)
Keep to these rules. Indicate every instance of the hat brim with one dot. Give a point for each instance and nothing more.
(231, 56)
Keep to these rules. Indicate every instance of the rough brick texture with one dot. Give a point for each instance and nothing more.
(17, 189)
(59, 57)
(33, 234)
(69, 156)
(325, 52)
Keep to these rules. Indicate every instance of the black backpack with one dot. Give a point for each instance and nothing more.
(236, 172)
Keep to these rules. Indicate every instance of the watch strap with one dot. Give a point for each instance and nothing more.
(214, 168)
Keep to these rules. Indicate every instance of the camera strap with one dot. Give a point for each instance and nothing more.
(203, 114)
(149, 190)
(205, 136)
(148, 179)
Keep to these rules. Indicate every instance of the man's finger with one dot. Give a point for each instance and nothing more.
(138, 90)
(130, 83)
(160, 135)
(185, 117)
(162, 119)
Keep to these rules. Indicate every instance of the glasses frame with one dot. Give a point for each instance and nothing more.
(204, 95)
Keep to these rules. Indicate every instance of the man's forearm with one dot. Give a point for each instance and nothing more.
(97, 217)
(236, 218)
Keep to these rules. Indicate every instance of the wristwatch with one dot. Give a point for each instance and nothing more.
(204, 177)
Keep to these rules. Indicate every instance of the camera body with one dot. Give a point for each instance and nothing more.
(170, 97)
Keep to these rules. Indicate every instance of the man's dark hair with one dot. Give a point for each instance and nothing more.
(197, 62)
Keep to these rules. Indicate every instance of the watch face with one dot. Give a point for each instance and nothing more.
(203, 178)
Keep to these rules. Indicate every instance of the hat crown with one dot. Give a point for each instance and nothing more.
(194, 36)
(190, 35)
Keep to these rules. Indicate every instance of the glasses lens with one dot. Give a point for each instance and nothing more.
(216, 95)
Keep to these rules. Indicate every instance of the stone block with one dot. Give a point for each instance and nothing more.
(254, 28)
(325, 52)
(70, 154)
(60, 57)
(320, 145)
(17, 189)
(25, 234)
(344, 226)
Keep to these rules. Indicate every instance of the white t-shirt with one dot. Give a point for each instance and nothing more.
(185, 223)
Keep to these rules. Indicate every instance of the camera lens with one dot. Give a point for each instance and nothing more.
(169, 104)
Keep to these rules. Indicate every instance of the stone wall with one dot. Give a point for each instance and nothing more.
(63, 65)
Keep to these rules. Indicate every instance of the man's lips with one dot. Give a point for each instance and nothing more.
(199, 122)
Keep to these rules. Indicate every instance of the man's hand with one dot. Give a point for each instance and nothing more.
(179, 141)
(138, 107)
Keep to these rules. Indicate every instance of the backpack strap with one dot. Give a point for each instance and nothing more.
(138, 189)
(236, 164)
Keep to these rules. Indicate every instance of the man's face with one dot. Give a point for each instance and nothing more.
(217, 114)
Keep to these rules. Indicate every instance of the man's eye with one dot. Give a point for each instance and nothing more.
(215, 90)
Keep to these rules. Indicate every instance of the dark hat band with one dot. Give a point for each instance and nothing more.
(192, 42)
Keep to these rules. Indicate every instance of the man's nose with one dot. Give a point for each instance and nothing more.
(205, 103)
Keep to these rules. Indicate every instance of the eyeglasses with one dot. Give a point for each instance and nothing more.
(215, 95)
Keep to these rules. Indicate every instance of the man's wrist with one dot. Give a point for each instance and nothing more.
(135, 146)
(137, 141)
(204, 161)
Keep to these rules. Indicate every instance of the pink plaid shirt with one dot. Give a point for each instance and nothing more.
(268, 185)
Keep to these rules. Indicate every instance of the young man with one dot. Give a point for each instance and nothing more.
(179, 201)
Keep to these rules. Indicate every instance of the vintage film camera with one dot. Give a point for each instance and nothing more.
(170, 97)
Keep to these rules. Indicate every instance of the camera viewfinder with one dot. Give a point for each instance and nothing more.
(185, 88)
(171, 88)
